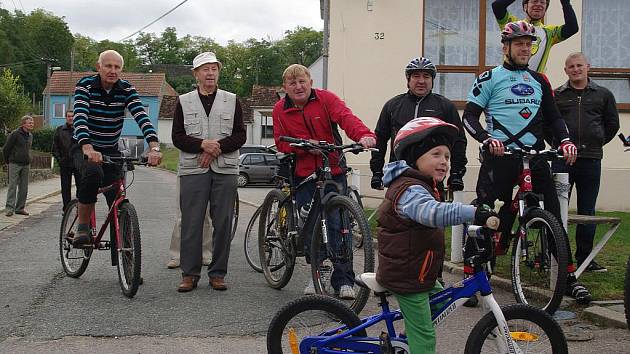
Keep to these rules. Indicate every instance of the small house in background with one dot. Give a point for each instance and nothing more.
(257, 113)
(152, 88)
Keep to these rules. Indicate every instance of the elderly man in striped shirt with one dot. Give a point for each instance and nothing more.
(99, 112)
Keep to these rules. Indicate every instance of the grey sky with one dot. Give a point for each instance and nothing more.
(220, 20)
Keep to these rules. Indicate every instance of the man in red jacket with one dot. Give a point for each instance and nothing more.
(314, 114)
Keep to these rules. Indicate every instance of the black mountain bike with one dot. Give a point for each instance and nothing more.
(282, 231)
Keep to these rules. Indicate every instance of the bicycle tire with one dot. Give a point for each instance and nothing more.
(130, 252)
(73, 260)
(251, 241)
(235, 217)
(626, 293)
(484, 335)
(356, 196)
(334, 311)
(349, 209)
(531, 271)
(275, 250)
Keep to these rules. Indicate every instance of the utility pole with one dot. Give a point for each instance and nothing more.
(326, 16)
(47, 96)
(71, 79)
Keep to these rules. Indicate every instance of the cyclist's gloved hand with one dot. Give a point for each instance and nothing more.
(482, 214)
(569, 151)
(494, 146)
(377, 181)
(455, 183)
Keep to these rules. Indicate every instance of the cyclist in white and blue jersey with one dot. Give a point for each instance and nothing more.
(520, 111)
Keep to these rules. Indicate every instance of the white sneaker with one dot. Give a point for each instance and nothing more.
(172, 264)
(310, 288)
(346, 292)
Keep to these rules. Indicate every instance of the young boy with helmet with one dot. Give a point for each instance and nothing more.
(411, 222)
(548, 35)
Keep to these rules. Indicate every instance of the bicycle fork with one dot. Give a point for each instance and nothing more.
(501, 334)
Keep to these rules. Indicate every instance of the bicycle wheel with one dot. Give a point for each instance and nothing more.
(339, 259)
(73, 260)
(250, 243)
(275, 248)
(129, 252)
(533, 330)
(354, 195)
(539, 265)
(626, 293)
(308, 316)
(235, 217)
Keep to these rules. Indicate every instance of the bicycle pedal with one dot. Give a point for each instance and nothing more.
(385, 344)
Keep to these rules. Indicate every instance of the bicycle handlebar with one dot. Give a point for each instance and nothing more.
(117, 159)
(516, 151)
(625, 141)
(476, 230)
(325, 146)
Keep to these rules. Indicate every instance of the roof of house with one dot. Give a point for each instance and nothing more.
(262, 97)
(147, 84)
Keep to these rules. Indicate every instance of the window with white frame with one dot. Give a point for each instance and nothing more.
(59, 110)
(266, 125)
(606, 42)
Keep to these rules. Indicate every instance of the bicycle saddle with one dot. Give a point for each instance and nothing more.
(368, 280)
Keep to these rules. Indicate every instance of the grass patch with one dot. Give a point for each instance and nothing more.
(170, 158)
(614, 255)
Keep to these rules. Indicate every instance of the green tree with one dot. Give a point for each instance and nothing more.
(302, 45)
(13, 103)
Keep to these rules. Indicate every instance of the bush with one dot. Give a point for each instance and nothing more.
(43, 139)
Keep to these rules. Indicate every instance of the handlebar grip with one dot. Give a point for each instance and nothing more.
(493, 223)
(289, 139)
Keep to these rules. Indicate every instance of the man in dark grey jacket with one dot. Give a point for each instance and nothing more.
(418, 101)
(17, 155)
(590, 112)
(62, 144)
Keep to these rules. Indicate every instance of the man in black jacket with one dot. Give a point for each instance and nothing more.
(62, 143)
(590, 112)
(418, 101)
(17, 155)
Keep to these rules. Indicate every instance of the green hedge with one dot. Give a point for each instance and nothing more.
(43, 139)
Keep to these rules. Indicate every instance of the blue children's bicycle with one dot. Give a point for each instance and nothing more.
(319, 324)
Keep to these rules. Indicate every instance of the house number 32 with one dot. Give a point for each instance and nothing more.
(379, 35)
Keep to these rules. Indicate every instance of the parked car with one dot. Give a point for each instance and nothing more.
(247, 148)
(257, 168)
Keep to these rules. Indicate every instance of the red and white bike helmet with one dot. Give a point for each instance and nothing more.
(419, 129)
(518, 29)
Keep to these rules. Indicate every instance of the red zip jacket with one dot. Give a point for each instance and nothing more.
(315, 121)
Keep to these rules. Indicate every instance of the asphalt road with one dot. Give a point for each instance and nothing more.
(42, 310)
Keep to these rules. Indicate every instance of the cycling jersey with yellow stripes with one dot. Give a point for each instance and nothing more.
(548, 35)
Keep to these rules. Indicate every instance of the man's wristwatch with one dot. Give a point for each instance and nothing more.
(155, 148)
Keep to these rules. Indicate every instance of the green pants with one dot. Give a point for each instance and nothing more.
(18, 179)
(417, 315)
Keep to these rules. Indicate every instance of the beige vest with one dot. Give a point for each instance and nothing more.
(217, 125)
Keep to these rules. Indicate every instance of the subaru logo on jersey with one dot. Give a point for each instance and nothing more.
(522, 90)
(525, 113)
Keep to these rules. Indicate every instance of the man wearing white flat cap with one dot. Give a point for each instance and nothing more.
(208, 129)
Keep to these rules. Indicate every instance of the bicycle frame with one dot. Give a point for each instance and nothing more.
(112, 214)
(342, 339)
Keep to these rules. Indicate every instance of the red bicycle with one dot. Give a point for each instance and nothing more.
(539, 253)
(122, 219)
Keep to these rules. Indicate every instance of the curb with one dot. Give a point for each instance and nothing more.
(38, 198)
(605, 316)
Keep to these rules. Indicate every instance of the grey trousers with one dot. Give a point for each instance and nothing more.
(18, 179)
(176, 238)
(197, 193)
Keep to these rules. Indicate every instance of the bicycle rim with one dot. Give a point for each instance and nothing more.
(235, 216)
(250, 242)
(337, 263)
(539, 263)
(276, 255)
(73, 260)
(626, 298)
(129, 252)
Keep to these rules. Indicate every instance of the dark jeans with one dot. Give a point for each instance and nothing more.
(585, 175)
(342, 273)
(93, 176)
(66, 183)
(498, 176)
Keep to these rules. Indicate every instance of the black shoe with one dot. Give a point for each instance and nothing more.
(82, 240)
(577, 291)
(473, 301)
(595, 267)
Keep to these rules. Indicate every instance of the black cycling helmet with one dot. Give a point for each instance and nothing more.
(420, 135)
(420, 64)
(518, 29)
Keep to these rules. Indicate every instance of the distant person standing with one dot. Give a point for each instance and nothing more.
(590, 112)
(17, 155)
(62, 143)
